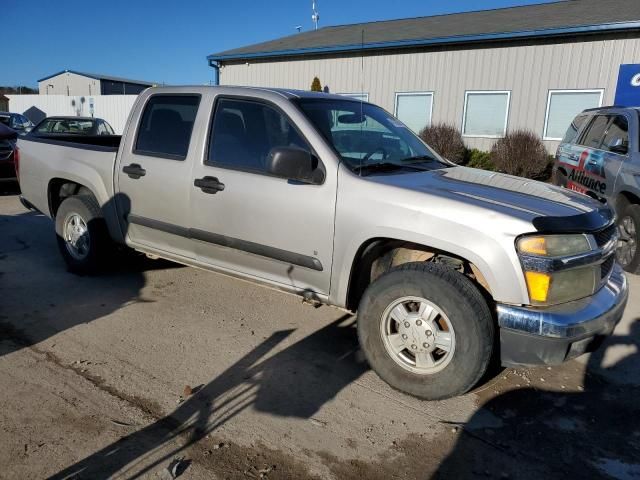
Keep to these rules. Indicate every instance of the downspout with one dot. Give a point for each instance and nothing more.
(216, 72)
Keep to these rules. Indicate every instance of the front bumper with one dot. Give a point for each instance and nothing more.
(549, 336)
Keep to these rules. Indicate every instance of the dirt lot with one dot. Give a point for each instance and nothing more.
(93, 374)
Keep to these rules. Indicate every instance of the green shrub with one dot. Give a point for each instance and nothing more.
(316, 86)
(480, 159)
(446, 140)
(521, 153)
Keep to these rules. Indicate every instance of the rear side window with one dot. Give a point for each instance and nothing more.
(617, 134)
(166, 126)
(594, 134)
(573, 130)
(244, 132)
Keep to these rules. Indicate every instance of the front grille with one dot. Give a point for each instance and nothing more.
(605, 235)
(606, 266)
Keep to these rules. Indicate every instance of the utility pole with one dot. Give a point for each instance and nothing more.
(315, 17)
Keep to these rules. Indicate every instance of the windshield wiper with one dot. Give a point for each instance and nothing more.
(422, 159)
(387, 167)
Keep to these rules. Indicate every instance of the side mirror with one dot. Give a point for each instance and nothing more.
(294, 164)
(621, 149)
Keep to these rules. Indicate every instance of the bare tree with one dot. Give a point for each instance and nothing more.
(446, 140)
(521, 153)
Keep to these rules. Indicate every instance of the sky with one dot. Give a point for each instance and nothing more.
(168, 41)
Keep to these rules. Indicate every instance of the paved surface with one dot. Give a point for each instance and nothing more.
(93, 374)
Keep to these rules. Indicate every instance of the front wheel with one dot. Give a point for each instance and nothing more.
(628, 253)
(82, 235)
(426, 330)
(561, 179)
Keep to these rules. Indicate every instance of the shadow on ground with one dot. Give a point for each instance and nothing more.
(593, 433)
(30, 270)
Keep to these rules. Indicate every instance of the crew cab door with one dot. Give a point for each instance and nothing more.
(153, 174)
(249, 222)
(598, 155)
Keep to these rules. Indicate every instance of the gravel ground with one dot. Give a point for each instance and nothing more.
(154, 367)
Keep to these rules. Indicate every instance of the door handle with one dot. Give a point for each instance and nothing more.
(209, 185)
(134, 171)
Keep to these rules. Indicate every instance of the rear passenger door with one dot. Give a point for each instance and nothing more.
(252, 223)
(154, 171)
(616, 147)
(585, 159)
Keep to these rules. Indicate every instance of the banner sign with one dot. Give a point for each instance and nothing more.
(628, 89)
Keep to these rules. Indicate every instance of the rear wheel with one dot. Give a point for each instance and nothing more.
(82, 235)
(426, 330)
(628, 253)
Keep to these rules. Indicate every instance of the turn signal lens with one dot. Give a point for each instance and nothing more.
(533, 245)
(554, 245)
(538, 285)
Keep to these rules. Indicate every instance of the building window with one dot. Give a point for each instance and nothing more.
(485, 113)
(358, 96)
(414, 109)
(562, 108)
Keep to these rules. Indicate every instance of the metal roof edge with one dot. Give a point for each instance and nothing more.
(455, 39)
(67, 71)
(96, 76)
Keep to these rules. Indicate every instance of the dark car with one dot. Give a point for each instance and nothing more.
(15, 121)
(599, 156)
(72, 126)
(7, 154)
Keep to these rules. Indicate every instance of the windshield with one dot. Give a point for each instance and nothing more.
(65, 125)
(367, 138)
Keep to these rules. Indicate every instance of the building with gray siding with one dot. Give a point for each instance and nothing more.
(71, 82)
(487, 72)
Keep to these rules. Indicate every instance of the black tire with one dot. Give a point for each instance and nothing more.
(561, 179)
(98, 244)
(629, 219)
(462, 303)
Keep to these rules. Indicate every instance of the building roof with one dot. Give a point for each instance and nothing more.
(568, 17)
(99, 76)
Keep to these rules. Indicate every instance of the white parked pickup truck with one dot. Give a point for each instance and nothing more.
(335, 200)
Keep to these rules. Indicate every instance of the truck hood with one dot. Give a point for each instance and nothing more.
(547, 207)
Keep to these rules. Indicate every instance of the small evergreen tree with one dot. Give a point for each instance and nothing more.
(316, 86)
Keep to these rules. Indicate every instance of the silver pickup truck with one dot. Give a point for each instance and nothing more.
(335, 200)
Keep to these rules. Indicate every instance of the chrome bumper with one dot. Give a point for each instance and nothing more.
(530, 336)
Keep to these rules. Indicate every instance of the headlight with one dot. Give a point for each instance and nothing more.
(550, 278)
(554, 245)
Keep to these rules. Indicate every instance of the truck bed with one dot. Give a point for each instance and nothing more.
(111, 142)
(86, 160)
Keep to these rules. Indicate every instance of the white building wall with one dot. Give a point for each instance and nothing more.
(68, 83)
(112, 108)
(528, 71)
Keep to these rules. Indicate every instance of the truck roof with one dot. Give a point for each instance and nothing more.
(611, 107)
(289, 93)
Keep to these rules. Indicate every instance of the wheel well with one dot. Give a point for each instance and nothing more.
(60, 188)
(626, 198)
(379, 255)
(563, 170)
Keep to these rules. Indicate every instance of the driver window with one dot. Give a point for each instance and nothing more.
(244, 132)
(617, 134)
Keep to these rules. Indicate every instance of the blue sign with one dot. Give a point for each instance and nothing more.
(628, 89)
